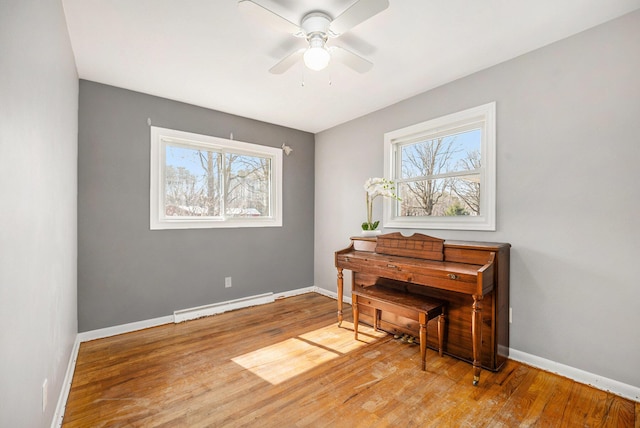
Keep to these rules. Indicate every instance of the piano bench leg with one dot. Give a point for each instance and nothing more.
(376, 319)
(356, 313)
(423, 340)
(441, 333)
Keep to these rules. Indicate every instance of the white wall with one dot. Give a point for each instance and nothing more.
(38, 222)
(568, 147)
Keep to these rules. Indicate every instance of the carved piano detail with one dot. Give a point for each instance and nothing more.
(473, 277)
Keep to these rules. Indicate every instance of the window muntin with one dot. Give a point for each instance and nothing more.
(444, 170)
(199, 181)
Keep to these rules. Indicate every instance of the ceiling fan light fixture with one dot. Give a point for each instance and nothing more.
(316, 58)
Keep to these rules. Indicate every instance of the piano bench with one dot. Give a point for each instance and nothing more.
(412, 306)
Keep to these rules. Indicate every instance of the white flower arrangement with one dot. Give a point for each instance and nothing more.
(375, 187)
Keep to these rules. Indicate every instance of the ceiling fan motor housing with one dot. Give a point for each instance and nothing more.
(316, 23)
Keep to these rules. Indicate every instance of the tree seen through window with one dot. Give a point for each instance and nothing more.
(207, 183)
(440, 176)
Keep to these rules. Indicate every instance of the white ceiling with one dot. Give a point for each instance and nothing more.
(207, 53)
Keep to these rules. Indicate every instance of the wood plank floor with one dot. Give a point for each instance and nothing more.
(287, 364)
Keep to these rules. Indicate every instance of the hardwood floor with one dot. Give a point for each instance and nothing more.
(287, 364)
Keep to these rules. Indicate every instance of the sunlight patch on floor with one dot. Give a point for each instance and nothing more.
(285, 360)
(341, 339)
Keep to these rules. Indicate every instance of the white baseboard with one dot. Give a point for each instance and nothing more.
(199, 311)
(296, 292)
(218, 308)
(332, 294)
(66, 386)
(86, 336)
(325, 292)
(605, 384)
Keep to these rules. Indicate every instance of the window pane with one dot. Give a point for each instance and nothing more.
(466, 192)
(441, 155)
(248, 186)
(455, 196)
(191, 182)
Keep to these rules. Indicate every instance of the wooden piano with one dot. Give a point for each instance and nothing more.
(472, 277)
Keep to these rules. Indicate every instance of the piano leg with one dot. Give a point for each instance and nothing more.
(476, 333)
(340, 285)
(423, 339)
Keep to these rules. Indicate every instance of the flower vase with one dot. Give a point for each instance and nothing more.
(371, 232)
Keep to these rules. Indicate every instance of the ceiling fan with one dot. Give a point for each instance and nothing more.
(317, 27)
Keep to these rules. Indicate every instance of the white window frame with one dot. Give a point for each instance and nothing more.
(485, 115)
(158, 220)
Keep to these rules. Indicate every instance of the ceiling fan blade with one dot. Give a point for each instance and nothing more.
(357, 13)
(287, 62)
(350, 59)
(269, 17)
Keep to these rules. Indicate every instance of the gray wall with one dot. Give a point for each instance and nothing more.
(38, 188)
(128, 273)
(568, 147)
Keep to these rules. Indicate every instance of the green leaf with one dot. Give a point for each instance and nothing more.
(370, 226)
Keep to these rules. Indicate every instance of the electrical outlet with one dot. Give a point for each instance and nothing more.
(45, 395)
(510, 315)
(227, 282)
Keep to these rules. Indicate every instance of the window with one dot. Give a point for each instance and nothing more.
(445, 172)
(198, 181)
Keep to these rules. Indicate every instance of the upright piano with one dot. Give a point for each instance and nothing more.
(472, 277)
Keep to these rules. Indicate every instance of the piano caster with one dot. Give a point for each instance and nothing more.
(476, 379)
